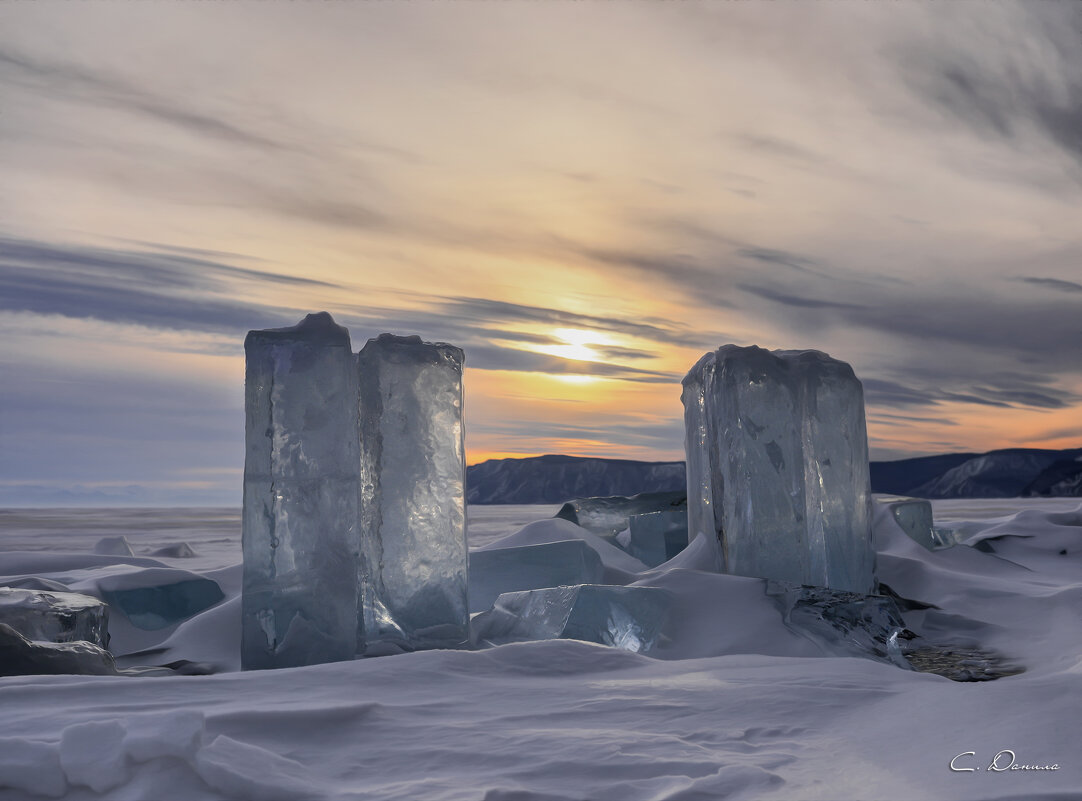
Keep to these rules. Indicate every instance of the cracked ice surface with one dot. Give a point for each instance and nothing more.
(300, 496)
(777, 461)
(413, 502)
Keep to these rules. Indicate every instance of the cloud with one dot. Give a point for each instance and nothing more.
(491, 357)
(780, 257)
(1053, 283)
(1015, 77)
(94, 88)
(157, 287)
(798, 301)
(144, 287)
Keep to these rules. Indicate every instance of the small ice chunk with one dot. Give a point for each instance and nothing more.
(530, 567)
(943, 537)
(777, 461)
(113, 546)
(656, 537)
(629, 618)
(843, 623)
(21, 657)
(914, 517)
(55, 616)
(607, 517)
(413, 501)
(301, 468)
(31, 766)
(92, 754)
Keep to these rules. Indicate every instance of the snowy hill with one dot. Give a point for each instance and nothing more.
(1010, 473)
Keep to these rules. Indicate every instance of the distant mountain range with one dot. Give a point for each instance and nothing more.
(1006, 473)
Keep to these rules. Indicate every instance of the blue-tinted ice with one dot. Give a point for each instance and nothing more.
(657, 537)
(301, 470)
(530, 567)
(413, 502)
(777, 465)
(608, 516)
(914, 517)
(630, 618)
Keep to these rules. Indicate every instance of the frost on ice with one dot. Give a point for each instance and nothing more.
(629, 618)
(300, 496)
(413, 501)
(777, 466)
(55, 616)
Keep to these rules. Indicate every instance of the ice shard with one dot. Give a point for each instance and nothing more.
(607, 517)
(531, 567)
(630, 618)
(914, 517)
(55, 616)
(413, 503)
(301, 473)
(777, 466)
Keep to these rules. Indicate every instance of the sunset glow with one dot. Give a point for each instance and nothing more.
(890, 183)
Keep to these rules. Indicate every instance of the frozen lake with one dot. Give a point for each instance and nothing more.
(733, 704)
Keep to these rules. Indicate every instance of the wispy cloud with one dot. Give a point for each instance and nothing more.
(1053, 283)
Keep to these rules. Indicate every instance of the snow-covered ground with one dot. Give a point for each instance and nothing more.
(732, 704)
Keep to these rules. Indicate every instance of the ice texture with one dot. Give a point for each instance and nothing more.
(657, 537)
(607, 517)
(844, 623)
(914, 517)
(55, 616)
(413, 502)
(150, 605)
(777, 465)
(629, 618)
(530, 567)
(20, 656)
(301, 469)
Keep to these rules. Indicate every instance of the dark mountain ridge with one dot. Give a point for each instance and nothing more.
(1006, 473)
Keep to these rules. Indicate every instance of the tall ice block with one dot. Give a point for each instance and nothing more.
(413, 502)
(301, 474)
(777, 466)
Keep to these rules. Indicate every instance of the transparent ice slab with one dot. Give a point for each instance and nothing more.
(630, 618)
(657, 537)
(777, 461)
(530, 567)
(413, 502)
(608, 516)
(301, 470)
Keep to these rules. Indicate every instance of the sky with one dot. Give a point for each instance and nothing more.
(584, 196)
